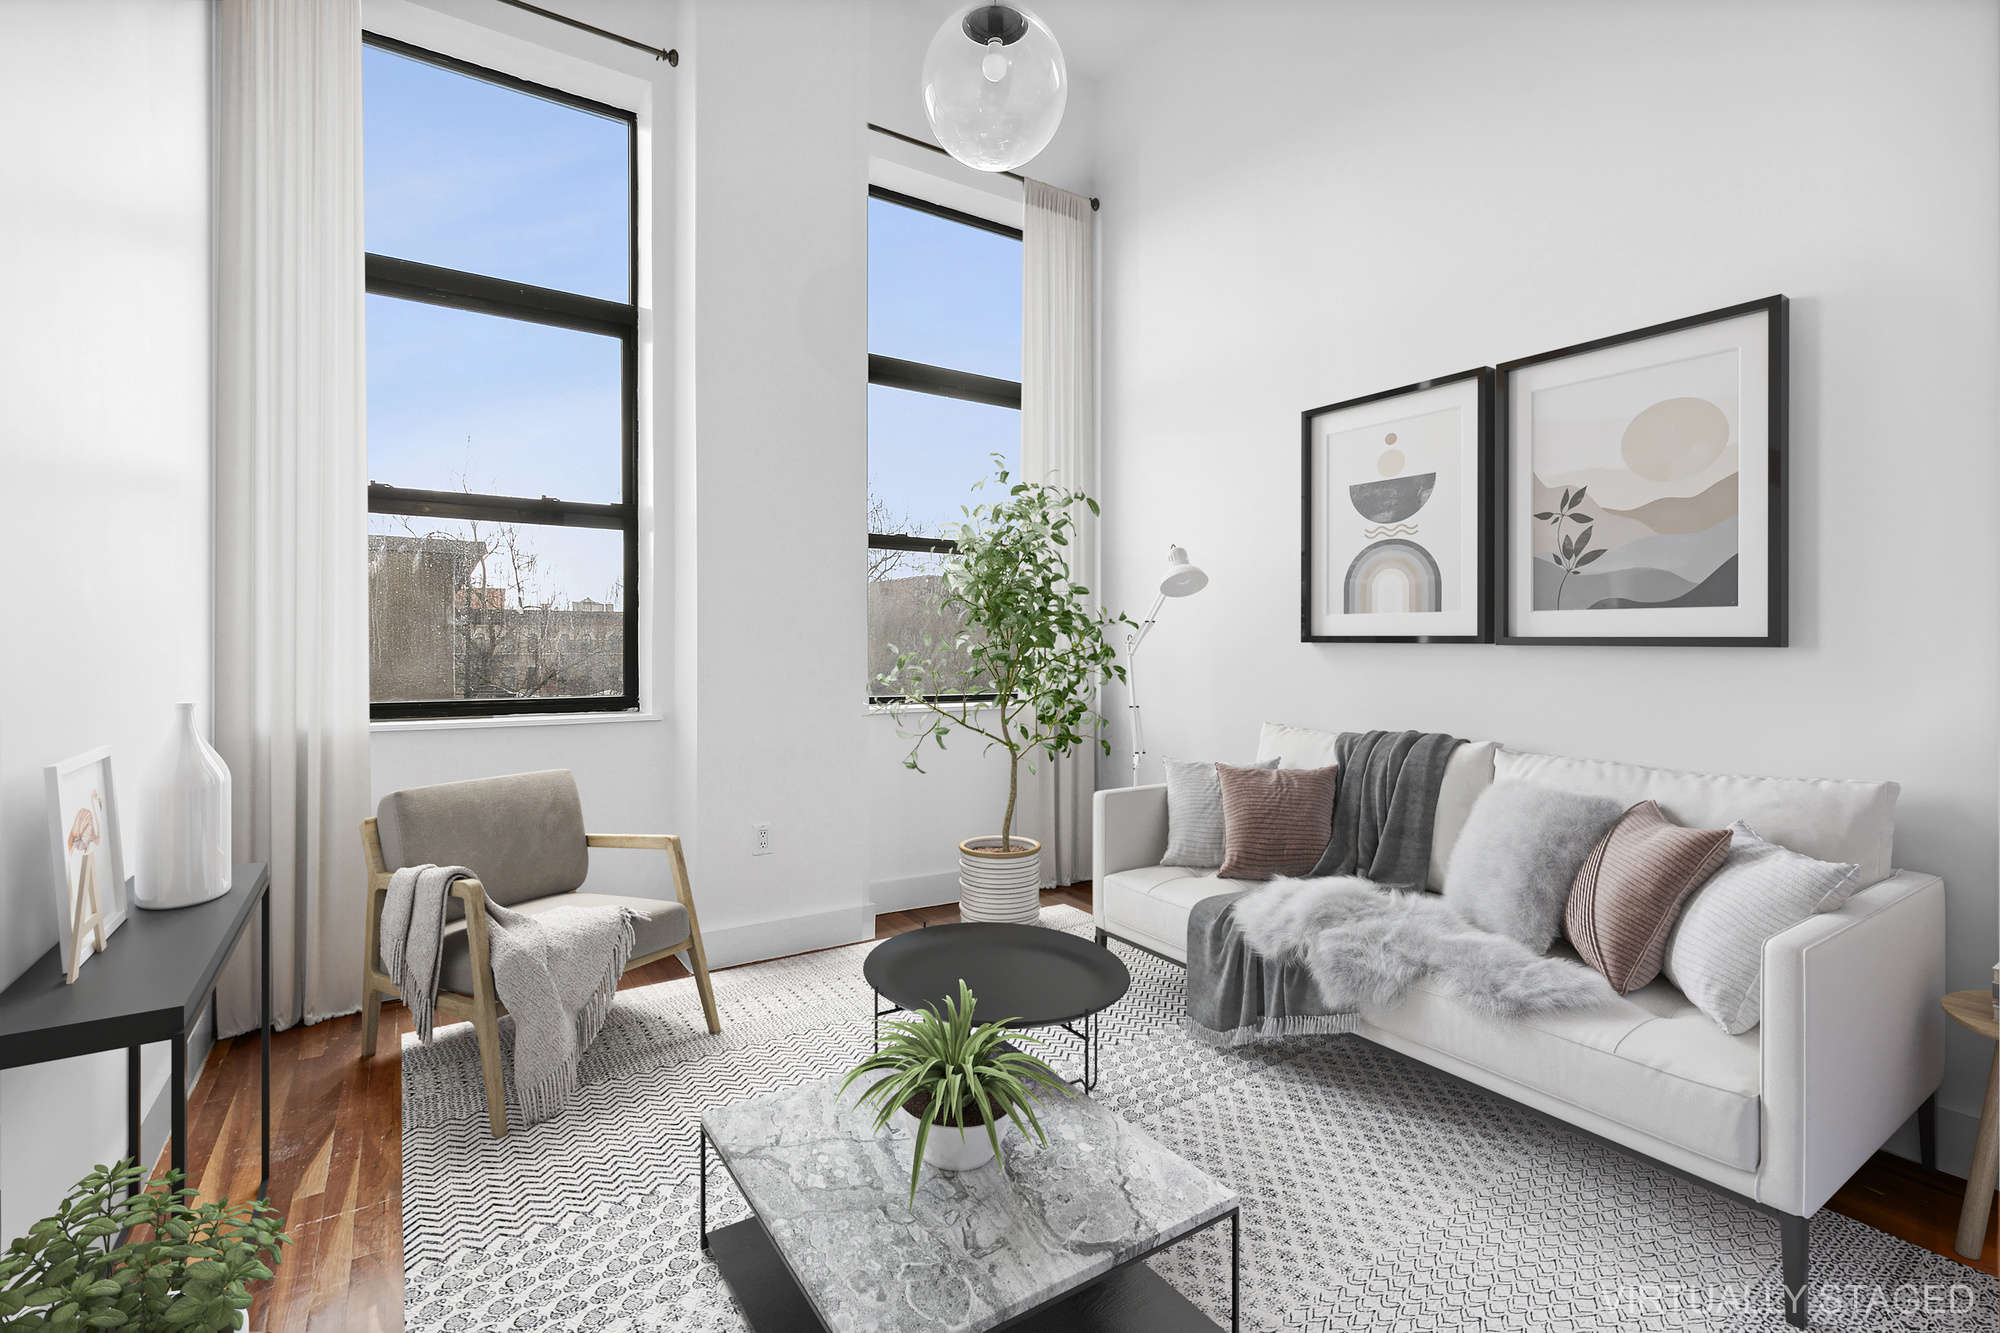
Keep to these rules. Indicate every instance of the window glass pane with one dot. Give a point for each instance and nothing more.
(465, 401)
(943, 293)
(469, 175)
(905, 589)
(463, 610)
(926, 452)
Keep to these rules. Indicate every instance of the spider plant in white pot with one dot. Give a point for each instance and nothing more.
(1023, 673)
(948, 1075)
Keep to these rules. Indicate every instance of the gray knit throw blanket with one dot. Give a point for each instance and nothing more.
(556, 972)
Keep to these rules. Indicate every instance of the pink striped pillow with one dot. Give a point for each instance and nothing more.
(1629, 891)
(1275, 821)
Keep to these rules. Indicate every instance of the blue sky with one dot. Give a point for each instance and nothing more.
(945, 294)
(473, 176)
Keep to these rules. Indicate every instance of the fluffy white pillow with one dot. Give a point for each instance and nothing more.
(1716, 953)
(1194, 813)
(1518, 854)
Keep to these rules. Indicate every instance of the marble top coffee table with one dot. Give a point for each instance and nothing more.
(1055, 1243)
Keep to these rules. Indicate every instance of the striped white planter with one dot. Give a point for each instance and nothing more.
(1000, 886)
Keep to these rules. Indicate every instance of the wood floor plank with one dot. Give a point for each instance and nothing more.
(336, 1157)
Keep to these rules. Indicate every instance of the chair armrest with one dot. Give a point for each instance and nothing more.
(1853, 1038)
(1128, 830)
(644, 842)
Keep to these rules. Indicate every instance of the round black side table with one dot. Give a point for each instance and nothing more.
(1030, 975)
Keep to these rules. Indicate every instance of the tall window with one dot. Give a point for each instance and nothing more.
(502, 314)
(944, 396)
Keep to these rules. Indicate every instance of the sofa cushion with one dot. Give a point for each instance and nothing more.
(1468, 773)
(1716, 951)
(1154, 902)
(1275, 823)
(1825, 819)
(1194, 812)
(659, 924)
(1649, 1060)
(1629, 892)
(522, 835)
(1520, 851)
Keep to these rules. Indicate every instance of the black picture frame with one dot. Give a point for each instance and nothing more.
(1482, 509)
(1773, 490)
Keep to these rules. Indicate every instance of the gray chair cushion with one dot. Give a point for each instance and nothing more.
(522, 835)
(661, 925)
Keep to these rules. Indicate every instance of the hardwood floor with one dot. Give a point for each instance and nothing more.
(336, 1159)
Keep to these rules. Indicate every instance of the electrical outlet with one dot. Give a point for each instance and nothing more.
(760, 840)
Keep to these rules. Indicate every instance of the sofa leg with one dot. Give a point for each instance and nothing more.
(1797, 1234)
(1927, 1132)
(1101, 937)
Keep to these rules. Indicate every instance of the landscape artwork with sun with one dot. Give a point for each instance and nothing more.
(1636, 488)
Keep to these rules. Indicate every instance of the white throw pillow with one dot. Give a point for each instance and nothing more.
(1194, 813)
(1520, 850)
(1297, 747)
(1716, 953)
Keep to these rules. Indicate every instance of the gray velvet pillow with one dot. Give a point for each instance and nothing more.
(1513, 864)
(1194, 813)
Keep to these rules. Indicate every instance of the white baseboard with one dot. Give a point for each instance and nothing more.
(754, 941)
(900, 895)
(1956, 1133)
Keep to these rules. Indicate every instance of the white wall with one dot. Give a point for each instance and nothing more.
(104, 464)
(1342, 198)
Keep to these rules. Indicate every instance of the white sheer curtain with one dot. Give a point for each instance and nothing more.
(1059, 446)
(291, 576)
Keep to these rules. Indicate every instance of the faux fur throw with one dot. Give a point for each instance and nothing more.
(1365, 946)
(556, 971)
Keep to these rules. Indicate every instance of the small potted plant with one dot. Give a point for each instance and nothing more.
(945, 1073)
(1023, 674)
(190, 1268)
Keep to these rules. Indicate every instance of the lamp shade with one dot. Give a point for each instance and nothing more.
(1182, 579)
(994, 86)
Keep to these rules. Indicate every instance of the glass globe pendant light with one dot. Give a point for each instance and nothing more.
(994, 86)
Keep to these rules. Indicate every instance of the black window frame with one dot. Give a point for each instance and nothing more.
(456, 290)
(919, 377)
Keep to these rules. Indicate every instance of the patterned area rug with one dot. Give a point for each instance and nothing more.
(1378, 1194)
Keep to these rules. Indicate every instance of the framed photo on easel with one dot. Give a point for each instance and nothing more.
(1396, 511)
(87, 849)
(1642, 486)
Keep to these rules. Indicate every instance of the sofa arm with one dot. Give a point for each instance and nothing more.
(1128, 829)
(1853, 1036)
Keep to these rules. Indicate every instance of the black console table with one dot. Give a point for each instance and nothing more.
(150, 984)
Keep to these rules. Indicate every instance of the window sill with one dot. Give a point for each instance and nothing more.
(518, 720)
(890, 710)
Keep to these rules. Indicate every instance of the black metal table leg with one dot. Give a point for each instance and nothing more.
(701, 1144)
(132, 1114)
(1235, 1267)
(264, 1032)
(177, 1097)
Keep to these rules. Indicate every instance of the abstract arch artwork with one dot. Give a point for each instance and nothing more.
(1393, 576)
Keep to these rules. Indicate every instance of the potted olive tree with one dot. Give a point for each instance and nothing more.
(1023, 673)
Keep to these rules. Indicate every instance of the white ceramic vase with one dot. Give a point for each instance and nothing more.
(1000, 886)
(187, 842)
(946, 1151)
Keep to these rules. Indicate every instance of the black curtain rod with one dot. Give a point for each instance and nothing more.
(924, 143)
(672, 57)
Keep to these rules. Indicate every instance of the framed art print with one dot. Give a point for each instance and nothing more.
(1641, 486)
(1396, 512)
(86, 854)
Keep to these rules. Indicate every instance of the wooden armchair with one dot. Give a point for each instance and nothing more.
(465, 989)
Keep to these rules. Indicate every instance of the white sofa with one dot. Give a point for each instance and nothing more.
(1852, 1038)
